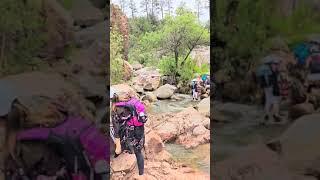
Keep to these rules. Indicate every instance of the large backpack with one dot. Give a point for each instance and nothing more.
(315, 64)
(301, 52)
(263, 73)
(137, 110)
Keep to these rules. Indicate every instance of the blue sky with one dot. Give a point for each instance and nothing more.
(191, 4)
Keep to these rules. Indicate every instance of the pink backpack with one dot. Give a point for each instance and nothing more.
(138, 111)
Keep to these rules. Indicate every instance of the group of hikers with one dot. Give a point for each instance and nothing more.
(128, 117)
(276, 81)
(198, 84)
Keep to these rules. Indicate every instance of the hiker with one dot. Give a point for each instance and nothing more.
(198, 89)
(268, 78)
(194, 91)
(128, 118)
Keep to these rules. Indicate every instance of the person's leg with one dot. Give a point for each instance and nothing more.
(140, 160)
(267, 107)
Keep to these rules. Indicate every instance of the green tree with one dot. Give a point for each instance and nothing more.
(21, 34)
(178, 36)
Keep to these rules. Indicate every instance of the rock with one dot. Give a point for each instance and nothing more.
(168, 131)
(148, 78)
(232, 111)
(201, 55)
(128, 70)
(59, 30)
(124, 88)
(263, 164)
(89, 17)
(165, 91)
(99, 3)
(85, 37)
(145, 177)
(299, 110)
(204, 107)
(150, 97)
(153, 144)
(298, 144)
(137, 66)
(206, 123)
(199, 130)
(189, 140)
(180, 123)
(138, 89)
(123, 163)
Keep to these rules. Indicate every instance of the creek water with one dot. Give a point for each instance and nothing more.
(197, 158)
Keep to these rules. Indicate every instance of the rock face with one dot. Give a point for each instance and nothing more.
(201, 55)
(59, 28)
(300, 137)
(89, 17)
(204, 107)
(263, 164)
(299, 110)
(120, 21)
(165, 91)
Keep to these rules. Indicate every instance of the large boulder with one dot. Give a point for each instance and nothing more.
(179, 123)
(252, 163)
(299, 110)
(199, 135)
(204, 107)
(89, 17)
(165, 91)
(153, 144)
(59, 27)
(298, 145)
(148, 78)
(123, 163)
(150, 96)
(124, 88)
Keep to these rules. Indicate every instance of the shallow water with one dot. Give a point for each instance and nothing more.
(198, 158)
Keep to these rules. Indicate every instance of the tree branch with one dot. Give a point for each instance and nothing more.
(190, 49)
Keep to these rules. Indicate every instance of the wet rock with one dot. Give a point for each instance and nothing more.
(89, 17)
(263, 164)
(293, 142)
(299, 110)
(123, 163)
(204, 107)
(165, 91)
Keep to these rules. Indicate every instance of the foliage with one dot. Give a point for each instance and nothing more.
(247, 27)
(116, 70)
(21, 25)
(204, 68)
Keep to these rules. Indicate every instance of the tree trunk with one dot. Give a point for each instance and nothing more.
(3, 45)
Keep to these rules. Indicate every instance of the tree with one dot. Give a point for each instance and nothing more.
(133, 8)
(116, 49)
(123, 5)
(145, 6)
(169, 6)
(154, 7)
(177, 37)
(161, 7)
